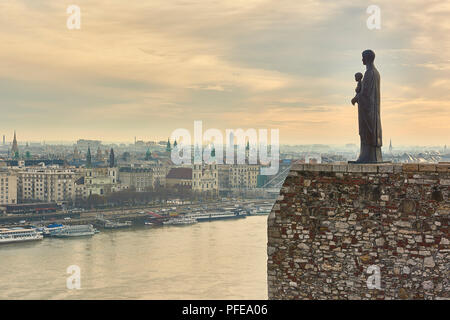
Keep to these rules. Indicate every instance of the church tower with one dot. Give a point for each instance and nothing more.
(15, 147)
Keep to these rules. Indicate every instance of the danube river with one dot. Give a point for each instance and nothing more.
(209, 260)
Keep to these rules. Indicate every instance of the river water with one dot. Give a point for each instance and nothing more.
(208, 260)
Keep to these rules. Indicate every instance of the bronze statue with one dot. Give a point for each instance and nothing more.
(368, 99)
(358, 79)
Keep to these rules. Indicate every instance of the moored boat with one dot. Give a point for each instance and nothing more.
(117, 225)
(180, 221)
(218, 215)
(9, 235)
(73, 231)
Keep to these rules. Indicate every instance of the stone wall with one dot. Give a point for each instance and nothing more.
(332, 222)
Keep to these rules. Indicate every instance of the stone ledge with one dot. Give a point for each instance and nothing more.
(373, 168)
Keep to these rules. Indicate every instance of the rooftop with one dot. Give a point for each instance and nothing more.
(180, 173)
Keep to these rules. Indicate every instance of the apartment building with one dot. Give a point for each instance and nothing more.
(8, 188)
(45, 184)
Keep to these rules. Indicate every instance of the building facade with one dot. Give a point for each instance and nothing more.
(142, 179)
(96, 181)
(8, 188)
(205, 178)
(45, 184)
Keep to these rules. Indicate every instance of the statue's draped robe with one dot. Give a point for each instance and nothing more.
(369, 116)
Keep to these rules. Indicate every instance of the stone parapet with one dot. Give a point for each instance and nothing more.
(334, 224)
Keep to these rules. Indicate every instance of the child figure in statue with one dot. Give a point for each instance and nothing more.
(358, 79)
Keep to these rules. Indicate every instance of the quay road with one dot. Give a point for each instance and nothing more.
(137, 214)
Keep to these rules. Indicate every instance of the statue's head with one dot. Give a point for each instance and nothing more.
(358, 76)
(368, 56)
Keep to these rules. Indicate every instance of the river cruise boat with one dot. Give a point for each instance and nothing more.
(179, 221)
(261, 210)
(9, 235)
(46, 231)
(218, 215)
(117, 225)
(73, 231)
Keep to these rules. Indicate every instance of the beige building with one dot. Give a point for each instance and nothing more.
(45, 184)
(244, 176)
(205, 178)
(143, 176)
(160, 172)
(8, 188)
(139, 178)
(224, 176)
(99, 181)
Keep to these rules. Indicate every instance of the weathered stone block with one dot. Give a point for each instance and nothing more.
(321, 167)
(427, 167)
(410, 167)
(443, 167)
(373, 168)
(387, 168)
(339, 167)
(352, 167)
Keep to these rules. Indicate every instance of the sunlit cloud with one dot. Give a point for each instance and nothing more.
(139, 68)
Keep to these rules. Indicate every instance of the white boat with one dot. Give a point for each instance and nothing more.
(218, 215)
(51, 228)
(117, 225)
(9, 235)
(261, 211)
(180, 221)
(73, 231)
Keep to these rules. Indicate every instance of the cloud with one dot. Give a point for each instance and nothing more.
(148, 67)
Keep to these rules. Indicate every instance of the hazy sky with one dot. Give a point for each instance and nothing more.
(144, 68)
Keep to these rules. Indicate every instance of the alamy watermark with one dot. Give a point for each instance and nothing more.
(374, 20)
(74, 280)
(374, 280)
(74, 20)
(209, 147)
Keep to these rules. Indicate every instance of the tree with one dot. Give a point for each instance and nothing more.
(111, 158)
(95, 200)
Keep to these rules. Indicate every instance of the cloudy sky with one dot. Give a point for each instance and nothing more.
(144, 68)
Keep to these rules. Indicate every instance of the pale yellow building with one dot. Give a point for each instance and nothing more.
(45, 184)
(205, 178)
(96, 181)
(8, 188)
(244, 176)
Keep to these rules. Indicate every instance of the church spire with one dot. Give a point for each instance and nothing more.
(15, 147)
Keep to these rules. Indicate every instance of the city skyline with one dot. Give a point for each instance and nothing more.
(136, 69)
(157, 141)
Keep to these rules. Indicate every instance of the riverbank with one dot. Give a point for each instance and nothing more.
(137, 215)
